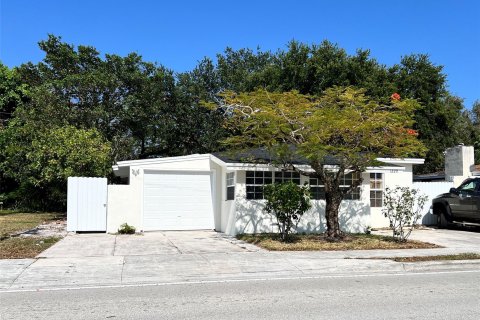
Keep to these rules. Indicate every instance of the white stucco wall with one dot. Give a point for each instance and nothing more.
(217, 192)
(121, 207)
(247, 216)
(125, 203)
(390, 179)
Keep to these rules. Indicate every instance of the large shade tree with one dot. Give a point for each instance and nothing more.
(342, 124)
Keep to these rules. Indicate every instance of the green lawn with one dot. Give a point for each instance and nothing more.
(12, 222)
(318, 242)
(17, 248)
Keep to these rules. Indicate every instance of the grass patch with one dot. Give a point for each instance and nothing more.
(12, 222)
(17, 248)
(460, 256)
(318, 242)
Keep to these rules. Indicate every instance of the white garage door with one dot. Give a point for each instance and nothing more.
(177, 201)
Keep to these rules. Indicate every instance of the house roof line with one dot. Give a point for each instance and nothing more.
(264, 166)
(128, 163)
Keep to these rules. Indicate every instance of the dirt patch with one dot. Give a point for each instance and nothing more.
(56, 228)
(320, 243)
(25, 235)
(20, 248)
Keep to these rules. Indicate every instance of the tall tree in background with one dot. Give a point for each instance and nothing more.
(146, 110)
(136, 107)
(13, 94)
(416, 77)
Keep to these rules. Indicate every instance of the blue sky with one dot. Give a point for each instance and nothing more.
(179, 33)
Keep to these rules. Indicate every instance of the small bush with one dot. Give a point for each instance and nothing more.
(287, 202)
(403, 206)
(126, 229)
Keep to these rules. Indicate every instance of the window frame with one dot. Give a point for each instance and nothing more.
(355, 193)
(319, 191)
(229, 186)
(255, 180)
(286, 176)
(377, 186)
(254, 188)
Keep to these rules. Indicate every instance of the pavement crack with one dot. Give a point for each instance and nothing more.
(121, 273)
(289, 262)
(114, 246)
(18, 276)
(173, 245)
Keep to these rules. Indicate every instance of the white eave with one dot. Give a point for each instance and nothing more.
(268, 167)
(123, 167)
(402, 161)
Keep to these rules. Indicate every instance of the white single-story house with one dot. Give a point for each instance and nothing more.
(212, 191)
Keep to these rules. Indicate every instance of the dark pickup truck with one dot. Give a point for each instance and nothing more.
(460, 205)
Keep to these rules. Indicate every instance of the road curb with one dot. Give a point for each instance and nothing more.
(442, 265)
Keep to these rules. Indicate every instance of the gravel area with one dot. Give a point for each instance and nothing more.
(57, 228)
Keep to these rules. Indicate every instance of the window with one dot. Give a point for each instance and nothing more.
(230, 185)
(348, 180)
(255, 180)
(317, 190)
(468, 186)
(376, 189)
(286, 176)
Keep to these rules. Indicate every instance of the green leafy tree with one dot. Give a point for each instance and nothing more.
(312, 69)
(287, 202)
(441, 117)
(343, 125)
(403, 206)
(40, 161)
(12, 93)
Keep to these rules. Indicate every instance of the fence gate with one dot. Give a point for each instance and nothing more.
(87, 204)
(431, 189)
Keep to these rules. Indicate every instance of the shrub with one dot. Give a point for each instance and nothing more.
(287, 202)
(126, 229)
(402, 206)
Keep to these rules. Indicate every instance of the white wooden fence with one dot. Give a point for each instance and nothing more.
(431, 189)
(87, 204)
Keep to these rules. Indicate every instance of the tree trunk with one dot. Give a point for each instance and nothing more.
(333, 201)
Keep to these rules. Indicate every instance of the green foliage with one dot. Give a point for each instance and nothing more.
(146, 110)
(126, 229)
(312, 69)
(343, 123)
(12, 93)
(403, 206)
(287, 202)
(40, 161)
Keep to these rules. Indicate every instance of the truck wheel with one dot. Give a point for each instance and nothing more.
(442, 221)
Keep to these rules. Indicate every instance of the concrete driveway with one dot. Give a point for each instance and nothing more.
(149, 243)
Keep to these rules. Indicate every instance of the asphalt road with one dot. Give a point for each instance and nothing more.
(447, 295)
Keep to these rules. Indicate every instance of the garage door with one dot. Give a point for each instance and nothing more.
(177, 201)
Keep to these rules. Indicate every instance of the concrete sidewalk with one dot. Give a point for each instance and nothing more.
(124, 266)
